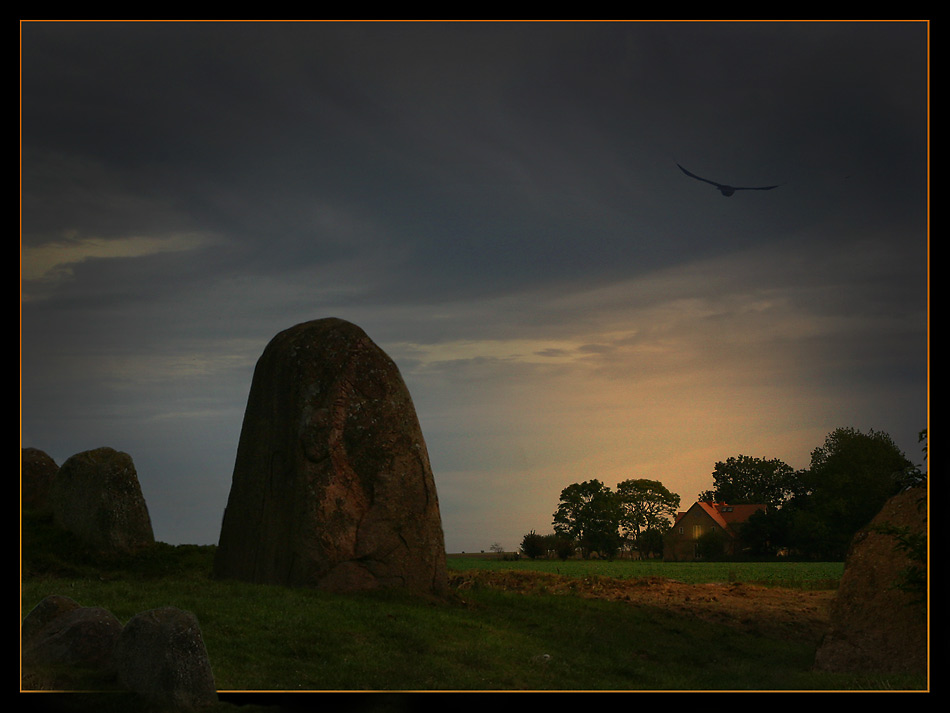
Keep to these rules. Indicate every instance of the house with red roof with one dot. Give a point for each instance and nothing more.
(693, 530)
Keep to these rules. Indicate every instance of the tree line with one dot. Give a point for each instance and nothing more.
(815, 512)
(811, 513)
(592, 517)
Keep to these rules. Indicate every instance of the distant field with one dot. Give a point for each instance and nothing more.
(807, 575)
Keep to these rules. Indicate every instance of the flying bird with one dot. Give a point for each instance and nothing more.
(723, 188)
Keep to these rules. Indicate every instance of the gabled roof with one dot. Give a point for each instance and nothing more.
(714, 513)
(724, 514)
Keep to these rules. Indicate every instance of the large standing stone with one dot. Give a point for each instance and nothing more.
(875, 625)
(332, 485)
(161, 656)
(96, 496)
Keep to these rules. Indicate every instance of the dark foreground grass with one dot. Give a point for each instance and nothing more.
(279, 638)
(272, 638)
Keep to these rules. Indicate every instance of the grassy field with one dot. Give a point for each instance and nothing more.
(272, 638)
(804, 575)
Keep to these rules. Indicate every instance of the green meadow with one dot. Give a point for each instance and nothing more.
(805, 575)
(274, 638)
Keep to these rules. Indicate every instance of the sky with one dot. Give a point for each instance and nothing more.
(498, 205)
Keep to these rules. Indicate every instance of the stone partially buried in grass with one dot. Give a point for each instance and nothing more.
(58, 632)
(161, 656)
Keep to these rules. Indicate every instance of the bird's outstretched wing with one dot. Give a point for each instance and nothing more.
(725, 189)
(698, 178)
(753, 188)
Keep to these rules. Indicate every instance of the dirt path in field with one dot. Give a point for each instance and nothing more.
(769, 611)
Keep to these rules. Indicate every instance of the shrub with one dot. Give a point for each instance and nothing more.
(533, 545)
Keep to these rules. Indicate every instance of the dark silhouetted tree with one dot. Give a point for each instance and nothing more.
(589, 514)
(646, 506)
(650, 542)
(752, 480)
(849, 479)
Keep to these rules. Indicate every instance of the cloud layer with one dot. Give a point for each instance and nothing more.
(498, 206)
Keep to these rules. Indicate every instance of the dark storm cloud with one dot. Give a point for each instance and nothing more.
(485, 152)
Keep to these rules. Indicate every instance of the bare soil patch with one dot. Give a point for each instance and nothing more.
(768, 611)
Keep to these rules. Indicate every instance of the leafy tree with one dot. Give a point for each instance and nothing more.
(589, 514)
(563, 547)
(646, 506)
(850, 478)
(650, 542)
(752, 480)
(765, 532)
